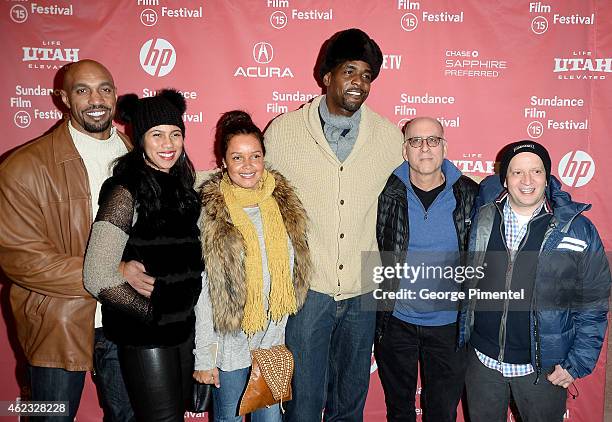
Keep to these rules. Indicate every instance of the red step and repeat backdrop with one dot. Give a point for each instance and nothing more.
(492, 72)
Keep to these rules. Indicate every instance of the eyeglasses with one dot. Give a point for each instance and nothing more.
(417, 141)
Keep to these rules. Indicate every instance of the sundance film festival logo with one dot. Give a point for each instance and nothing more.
(22, 119)
(535, 129)
(402, 122)
(148, 17)
(278, 19)
(157, 57)
(18, 13)
(409, 22)
(539, 25)
(576, 168)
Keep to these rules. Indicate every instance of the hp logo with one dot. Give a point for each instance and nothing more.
(576, 168)
(157, 57)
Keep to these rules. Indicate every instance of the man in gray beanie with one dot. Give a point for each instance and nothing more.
(338, 154)
(536, 319)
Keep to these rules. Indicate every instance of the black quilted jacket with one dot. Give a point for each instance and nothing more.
(392, 232)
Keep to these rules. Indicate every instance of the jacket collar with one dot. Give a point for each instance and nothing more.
(63, 146)
(564, 208)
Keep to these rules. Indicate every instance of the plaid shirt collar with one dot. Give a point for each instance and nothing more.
(514, 234)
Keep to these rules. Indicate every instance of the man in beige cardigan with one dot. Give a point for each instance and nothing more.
(338, 154)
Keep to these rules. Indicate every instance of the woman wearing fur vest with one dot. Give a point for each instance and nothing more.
(257, 265)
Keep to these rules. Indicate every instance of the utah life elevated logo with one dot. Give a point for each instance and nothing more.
(263, 53)
(50, 56)
(582, 65)
(157, 57)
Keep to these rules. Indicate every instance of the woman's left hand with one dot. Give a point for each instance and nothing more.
(207, 377)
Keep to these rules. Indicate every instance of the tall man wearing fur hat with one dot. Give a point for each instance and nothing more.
(338, 153)
(48, 197)
(540, 315)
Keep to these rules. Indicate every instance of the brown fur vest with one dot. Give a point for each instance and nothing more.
(223, 251)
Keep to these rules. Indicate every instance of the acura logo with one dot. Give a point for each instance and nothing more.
(263, 52)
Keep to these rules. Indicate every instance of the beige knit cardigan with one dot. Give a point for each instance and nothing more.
(340, 198)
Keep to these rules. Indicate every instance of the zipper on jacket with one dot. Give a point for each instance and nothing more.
(501, 338)
(511, 259)
(502, 324)
(538, 357)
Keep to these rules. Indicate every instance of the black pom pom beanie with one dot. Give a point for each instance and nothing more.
(165, 108)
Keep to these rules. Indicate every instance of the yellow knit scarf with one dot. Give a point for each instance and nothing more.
(282, 295)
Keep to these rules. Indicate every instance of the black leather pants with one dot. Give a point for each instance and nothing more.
(158, 380)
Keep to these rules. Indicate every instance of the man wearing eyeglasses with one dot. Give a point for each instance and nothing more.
(423, 221)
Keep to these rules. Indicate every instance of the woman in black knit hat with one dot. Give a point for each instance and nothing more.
(148, 213)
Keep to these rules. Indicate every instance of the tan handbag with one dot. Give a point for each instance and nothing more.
(270, 379)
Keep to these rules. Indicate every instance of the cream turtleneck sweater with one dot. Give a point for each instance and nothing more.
(98, 156)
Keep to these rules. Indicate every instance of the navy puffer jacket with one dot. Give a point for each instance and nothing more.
(568, 316)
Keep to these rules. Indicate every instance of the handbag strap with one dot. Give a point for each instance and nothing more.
(249, 337)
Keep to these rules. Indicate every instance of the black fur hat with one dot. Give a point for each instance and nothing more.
(348, 45)
(165, 108)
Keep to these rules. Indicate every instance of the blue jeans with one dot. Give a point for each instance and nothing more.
(56, 384)
(226, 399)
(109, 381)
(331, 342)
